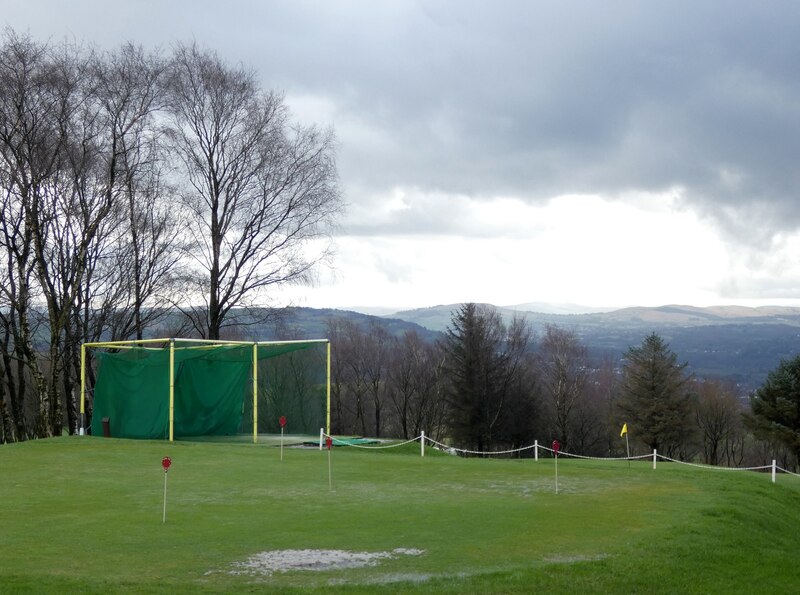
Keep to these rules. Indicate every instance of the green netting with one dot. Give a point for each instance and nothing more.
(131, 392)
(293, 386)
(212, 390)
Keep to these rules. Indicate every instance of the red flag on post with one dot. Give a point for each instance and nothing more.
(282, 422)
(166, 463)
(329, 444)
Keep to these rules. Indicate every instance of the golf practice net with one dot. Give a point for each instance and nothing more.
(177, 388)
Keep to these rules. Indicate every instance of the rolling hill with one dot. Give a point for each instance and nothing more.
(729, 342)
(732, 342)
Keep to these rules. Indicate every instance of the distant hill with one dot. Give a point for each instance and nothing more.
(438, 317)
(732, 342)
(548, 308)
(310, 323)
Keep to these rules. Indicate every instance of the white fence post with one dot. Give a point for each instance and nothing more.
(654, 458)
(321, 436)
(422, 444)
(535, 450)
(773, 470)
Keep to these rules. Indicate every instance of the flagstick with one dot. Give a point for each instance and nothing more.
(164, 518)
(330, 479)
(281, 443)
(628, 447)
(556, 473)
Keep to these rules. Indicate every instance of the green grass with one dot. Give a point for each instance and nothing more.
(85, 515)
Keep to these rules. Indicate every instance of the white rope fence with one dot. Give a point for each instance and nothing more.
(787, 471)
(714, 467)
(340, 442)
(562, 453)
(654, 456)
(478, 452)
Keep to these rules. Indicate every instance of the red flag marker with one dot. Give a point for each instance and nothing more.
(282, 421)
(166, 463)
(329, 444)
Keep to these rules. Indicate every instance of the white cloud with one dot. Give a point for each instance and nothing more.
(582, 249)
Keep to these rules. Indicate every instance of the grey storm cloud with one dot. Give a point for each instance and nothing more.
(534, 100)
(518, 98)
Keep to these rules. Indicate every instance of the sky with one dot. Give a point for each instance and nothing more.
(606, 154)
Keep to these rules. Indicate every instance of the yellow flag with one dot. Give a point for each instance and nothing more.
(624, 430)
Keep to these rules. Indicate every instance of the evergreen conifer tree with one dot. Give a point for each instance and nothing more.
(654, 400)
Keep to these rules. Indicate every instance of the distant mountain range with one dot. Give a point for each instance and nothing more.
(738, 343)
(438, 317)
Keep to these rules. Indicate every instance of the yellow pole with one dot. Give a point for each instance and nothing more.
(83, 388)
(171, 388)
(328, 393)
(255, 393)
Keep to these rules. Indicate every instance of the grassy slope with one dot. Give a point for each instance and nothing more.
(84, 514)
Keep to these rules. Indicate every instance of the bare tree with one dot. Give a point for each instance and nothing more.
(415, 388)
(589, 424)
(563, 372)
(377, 343)
(350, 377)
(109, 118)
(259, 188)
(336, 335)
(354, 351)
(718, 413)
(37, 99)
(145, 256)
(15, 300)
(602, 389)
(523, 387)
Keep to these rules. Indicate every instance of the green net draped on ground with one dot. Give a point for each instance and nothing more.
(213, 390)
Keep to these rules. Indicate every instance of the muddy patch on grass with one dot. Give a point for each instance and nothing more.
(267, 563)
(564, 559)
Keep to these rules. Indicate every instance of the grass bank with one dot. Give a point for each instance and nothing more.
(85, 514)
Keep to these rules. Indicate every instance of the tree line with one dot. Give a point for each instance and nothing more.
(492, 385)
(141, 189)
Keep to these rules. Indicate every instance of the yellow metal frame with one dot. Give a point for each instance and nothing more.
(205, 344)
(171, 388)
(255, 393)
(328, 391)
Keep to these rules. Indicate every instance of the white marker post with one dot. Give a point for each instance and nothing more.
(556, 446)
(165, 463)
